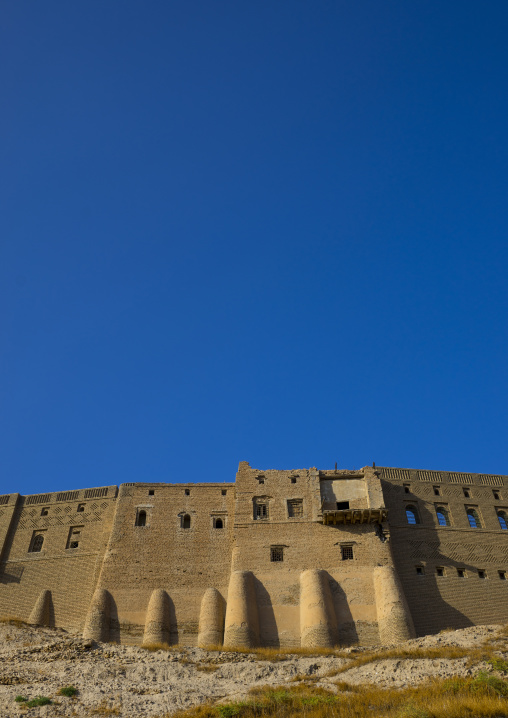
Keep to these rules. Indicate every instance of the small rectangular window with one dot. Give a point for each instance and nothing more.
(482, 573)
(224, 492)
(467, 493)
(461, 573)
(497, 495)
(440, 571)
(151, 492)
(261, 479)
(502, 575)
(420, 571)
(342, 505)
(74, 536)
(187, 492)
(407, 488)
(347, 553)
(276, 553)
(45, 511)
(81, 508)
(437, 490)
(261, 510)
(295, 508)
(293, 480)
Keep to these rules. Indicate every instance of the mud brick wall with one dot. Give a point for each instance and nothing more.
(70, 574)
(436, 601)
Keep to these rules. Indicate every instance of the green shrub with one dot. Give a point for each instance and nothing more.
(39, 701)
(68, 691)
(21, 699)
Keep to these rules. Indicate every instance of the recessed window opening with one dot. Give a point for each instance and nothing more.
(443, 518)
(496, 494)
(74, 537)
(293, 479)
(461, 573)
(473, 518)
(276, 553)
(440, 571)
(224, 492)
(467, 493)
(260, 510)
(412, 515)
(141, 518)
(36, 543)
(437, 490)
(502, 575)
(342, 505)
(217, 524)
(295, 508)
(81, 508)
(347, 553)
(482, 573)
(420, 571)
(186, 521)
(151, 492)
(261, 479)
(503, 520)
(45, 511)
(187, 492)
(407, 488)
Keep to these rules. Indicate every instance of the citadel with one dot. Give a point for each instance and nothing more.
(305, 557)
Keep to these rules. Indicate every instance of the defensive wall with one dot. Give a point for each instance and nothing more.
(277, 558)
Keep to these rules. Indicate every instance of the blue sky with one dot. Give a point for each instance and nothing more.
(262, 231)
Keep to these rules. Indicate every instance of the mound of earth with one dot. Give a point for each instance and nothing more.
(130, 681)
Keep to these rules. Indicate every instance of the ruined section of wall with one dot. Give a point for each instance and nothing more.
(452, 576)
(167, 536)
(72, 529)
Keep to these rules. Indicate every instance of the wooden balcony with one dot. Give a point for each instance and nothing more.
(354, 516)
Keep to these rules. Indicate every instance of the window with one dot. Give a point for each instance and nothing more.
(187, 492)
(74, 536)
(224, 492)
(141, 518)
(36, 542)
(482, 573)
(186, 521)
(218, 523)
(347, 553)
(467, 493)
(473, 518)
(502, 575)
(407, 488)
(342, 505)
(295, 508)
(293, 479)
(443, 518)
(437, 490)
(461, 573)
(503, 520)
(45, 511)
(276, 553)
(261, 479)
(260, 509)
(440, 571)
(81, 508)
(412, 515)
(151, 492)
(496, 494)
(420, 571)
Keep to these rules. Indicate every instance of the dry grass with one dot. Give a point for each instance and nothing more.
(481, 697)
(206, 667)
(103, 709)
(158, 647)
(14, 621)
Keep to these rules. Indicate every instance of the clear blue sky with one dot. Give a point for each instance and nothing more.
(263, 231)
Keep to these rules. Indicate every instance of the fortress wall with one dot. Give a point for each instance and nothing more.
(307, 545)
(8, 504)
(184, 562)
(449, 601)
(68, 573)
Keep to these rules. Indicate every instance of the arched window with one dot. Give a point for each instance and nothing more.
(186, 521)
(442, 516)
(412, 515)
(37, 543)
(218, 524)
(503, 520)
(473, 518)
(141, 518)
